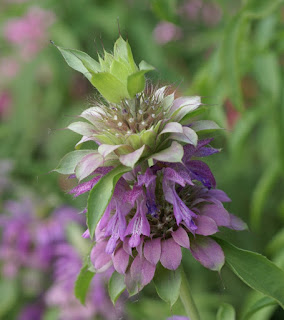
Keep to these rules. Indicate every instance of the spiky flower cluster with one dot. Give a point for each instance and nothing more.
(150, 193)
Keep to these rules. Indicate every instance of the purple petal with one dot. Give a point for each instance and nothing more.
(207, 252)
(172, 175)
(170, 254)
(142, 271)
(201, 172)
(237, 224)
(130, 159)
(127, 247)
(205, 226)
(86, 234)
(85, 186)
(181, 237)
(218, 213)
(100, 259)
(120, 260)
(219, 195)
(152, 250)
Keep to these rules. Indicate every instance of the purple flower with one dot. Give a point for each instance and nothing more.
(187, 211)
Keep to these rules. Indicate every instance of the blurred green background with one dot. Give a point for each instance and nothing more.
(227, 51)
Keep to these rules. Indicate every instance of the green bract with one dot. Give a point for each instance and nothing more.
(116, 76)
(134, 122)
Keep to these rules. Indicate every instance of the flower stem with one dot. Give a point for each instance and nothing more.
(187, 299)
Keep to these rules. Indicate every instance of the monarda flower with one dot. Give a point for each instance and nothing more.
(150, 194)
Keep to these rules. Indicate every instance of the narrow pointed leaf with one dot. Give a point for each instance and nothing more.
(80, 61)
(100, 196)
(255, 270)
(116, 286)
(82, 283)
(167, 283)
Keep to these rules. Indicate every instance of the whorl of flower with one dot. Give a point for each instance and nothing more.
(150, 195)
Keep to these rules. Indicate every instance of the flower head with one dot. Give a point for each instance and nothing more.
(153, 192)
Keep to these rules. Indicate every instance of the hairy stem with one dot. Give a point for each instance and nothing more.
(187, 299)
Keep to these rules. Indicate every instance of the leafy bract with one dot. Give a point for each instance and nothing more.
(69, 162)
(167, 283)
(255, 270)
(82, 283)
(100, 196)
(116, 286)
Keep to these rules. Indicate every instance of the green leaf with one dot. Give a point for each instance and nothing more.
(116, 286)
(255, 270)
(82, 283)
(111, 88)
(167, 283)
(226, 312)
(145, 66)
(230, 59)
(119, 70)
(122, 50)
(69, 162)
(8, 295)
(100, 196)
(258, 305)
(80, 61)
(261, 193)
(136, 83)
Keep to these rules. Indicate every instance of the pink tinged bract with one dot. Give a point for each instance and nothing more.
(207, 252)
(218, 213)
(130, 159)
(205, 226)
(152, 250)
(88, 165)
(237, 224)
(142, 271)
(219, 194)
(181, 237)
(100, 259)
(170, 254)
(120, 260)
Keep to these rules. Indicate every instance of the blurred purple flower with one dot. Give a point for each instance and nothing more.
(178, 318)
(29, 32)
(60, 295)
(9, 68)
(166, 32)
(32, 312)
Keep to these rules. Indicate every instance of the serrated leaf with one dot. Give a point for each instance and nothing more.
(167, 283)
(100, 196)
(255, 270)
(226, 312)
(80, 61)
(116, 286)
(258, 305)
(69, 162)
(111, 88)
(82, 283)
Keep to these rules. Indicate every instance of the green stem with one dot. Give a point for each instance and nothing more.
(187, 299)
